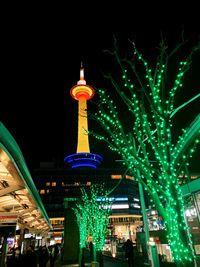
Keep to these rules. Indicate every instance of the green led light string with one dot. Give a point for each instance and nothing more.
(159, 160)
(92, 217)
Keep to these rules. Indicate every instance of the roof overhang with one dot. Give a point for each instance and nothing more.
(18, 193)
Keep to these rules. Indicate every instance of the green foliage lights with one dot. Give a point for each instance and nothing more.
(92, 216)
(81, 212)
(148, 146)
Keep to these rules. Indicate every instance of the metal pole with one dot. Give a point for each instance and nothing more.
(149, 251)
(4, 252)
(153, 260)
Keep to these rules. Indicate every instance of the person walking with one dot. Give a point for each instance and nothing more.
(128, 247)
(43, 256)
(30, 258)
(52, 256)
(18, 258)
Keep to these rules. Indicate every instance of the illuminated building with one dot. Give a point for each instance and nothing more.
(83, 158)
(55, 183)
(58, 182)
(23, 217)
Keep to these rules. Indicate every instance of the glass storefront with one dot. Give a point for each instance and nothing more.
(192, 208)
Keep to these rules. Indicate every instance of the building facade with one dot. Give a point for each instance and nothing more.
(56, 184)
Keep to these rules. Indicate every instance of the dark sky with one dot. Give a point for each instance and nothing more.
(41, 55)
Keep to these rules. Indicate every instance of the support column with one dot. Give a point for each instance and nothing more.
(71, 234)
(154, 262)
(4, 252)
(21, 239)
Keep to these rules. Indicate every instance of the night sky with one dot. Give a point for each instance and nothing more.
(41, 56)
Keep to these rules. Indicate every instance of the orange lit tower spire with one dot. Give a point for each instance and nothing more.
(82, 93)
(83, 158)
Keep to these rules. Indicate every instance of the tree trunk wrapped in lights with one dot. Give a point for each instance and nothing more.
(92, 218)
(81, 212)
(147, 146)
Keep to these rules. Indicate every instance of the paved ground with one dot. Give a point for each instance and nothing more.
(107, 263)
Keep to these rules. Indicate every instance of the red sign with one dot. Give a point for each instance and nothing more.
(6, 217)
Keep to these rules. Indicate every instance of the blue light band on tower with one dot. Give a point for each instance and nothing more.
(83, 160)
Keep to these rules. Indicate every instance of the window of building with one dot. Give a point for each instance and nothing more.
(130, 178)
(53, 183)
(42, 192)
(88, 183)
(47, 183)
(115, 176)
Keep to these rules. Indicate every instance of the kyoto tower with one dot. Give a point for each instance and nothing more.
(83, 158)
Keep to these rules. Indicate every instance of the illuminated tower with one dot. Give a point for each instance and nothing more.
(83, 158)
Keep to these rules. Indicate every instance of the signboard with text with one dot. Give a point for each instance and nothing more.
(8, 221)
(7, 218)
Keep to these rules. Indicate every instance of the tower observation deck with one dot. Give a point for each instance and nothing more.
(83, 158)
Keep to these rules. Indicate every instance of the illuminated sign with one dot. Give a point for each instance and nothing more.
(10, 240)
(191, 213)
(120, 206)
(29, 236)
(135, 206)
(6, 217)
(117, 206)
(58, 238)
(112, 199)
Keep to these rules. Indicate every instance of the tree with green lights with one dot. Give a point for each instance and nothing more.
(92, 218)
(81, 212)
(147, 145)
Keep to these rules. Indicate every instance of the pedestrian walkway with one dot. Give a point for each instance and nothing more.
(60, 264)
(108, 262)
(71, 265)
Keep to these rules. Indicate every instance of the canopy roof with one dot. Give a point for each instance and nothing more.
(18, 193)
